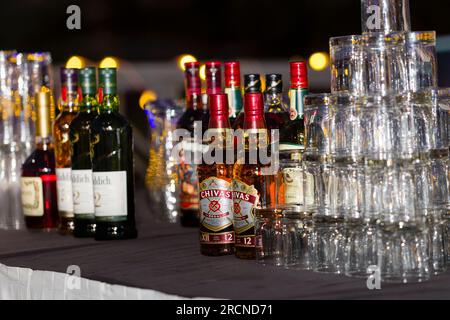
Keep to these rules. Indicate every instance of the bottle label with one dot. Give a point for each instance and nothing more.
(293, 183)
(245, 199)
(217, 238)
(234, 101)
(83, 192)
(110, 193)
(216, 204)
(246, 241)
(32, 196)
(187, 172)
(296, 102)
(64, 191)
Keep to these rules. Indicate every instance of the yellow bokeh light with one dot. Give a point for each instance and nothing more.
(319, 61)
(184, 59)
(76, 62)
(147, 96)
(109, 62)
(202, 72)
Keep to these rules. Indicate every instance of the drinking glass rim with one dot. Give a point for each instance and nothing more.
(348, 40)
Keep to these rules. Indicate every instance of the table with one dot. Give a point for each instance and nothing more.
(165, 258)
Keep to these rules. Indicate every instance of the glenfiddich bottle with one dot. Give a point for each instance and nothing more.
(299, 88)
(187, 170)
(112, 164)
(38, 181)
(233, 89)
(252, 188)
(69, 109)
(80, 130)
(216, 197)
(252, 84)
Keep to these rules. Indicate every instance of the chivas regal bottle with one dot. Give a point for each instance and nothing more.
(215, 192)
(252, 186)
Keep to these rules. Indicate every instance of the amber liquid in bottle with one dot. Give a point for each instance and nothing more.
(215, 188)
(38, 180)
(61, 129)
(252, 187)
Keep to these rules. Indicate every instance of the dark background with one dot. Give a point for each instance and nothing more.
(140, 30)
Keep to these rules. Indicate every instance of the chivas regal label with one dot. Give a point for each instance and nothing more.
(32, 196)
(216, 204)
(245, 199)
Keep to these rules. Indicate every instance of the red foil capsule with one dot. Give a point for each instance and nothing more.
(299, 75)
(232, 74)
(219, 111)
(254, 111)
(192, 78)
(213, 77)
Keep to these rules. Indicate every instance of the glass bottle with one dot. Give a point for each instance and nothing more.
(215, 193)
(233, 89)
(38, 181)
(69, 109)
(112, 163)
(80, 130)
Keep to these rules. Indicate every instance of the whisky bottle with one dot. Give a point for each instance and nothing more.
(233, 89)
(112, 164)
(252, 84)
(187, 170)
(252, 187)
(80, 130)
(215, 193)
(38, 180)
(275, 112)
(69, 109)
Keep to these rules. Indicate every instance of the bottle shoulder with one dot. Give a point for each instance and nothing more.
(40, 161)
(109, 121)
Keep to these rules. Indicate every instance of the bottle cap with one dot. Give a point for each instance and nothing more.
(232, 74)
(88, 80)
(192, 78)
(213, 77)
(299, 75)
(274, 83)
(218, 104)
(253, 104)
(252, 83)
(43, 123)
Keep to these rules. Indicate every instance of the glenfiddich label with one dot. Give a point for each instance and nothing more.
(32, 196)
(110, 194)
(216, 204)
(83, 192)
(245, 199)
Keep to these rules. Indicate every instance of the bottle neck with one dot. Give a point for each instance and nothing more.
(69, 102)
(273, 100)
(89, 103)
(219, 121)
(44, 143)
(110, 103)
(296, 96)
(194, 101)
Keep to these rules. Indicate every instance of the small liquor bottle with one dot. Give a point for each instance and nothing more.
(69, 109)
(252, 188)
(80, 130)
(275, 112)
(216, 197)
(112, 164)
(299, 88)
(187, 171)
(233, 89)
(252, 84)
(38, 182)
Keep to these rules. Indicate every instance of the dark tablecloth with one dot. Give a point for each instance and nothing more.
(166, 258)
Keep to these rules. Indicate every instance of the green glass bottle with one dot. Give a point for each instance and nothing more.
(80, 130)
(112, 163)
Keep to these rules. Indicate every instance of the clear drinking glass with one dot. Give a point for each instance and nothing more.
(385, 16)
(346, 64)
(269, 236)
(361, 248)
(161, 176)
